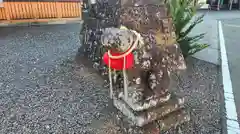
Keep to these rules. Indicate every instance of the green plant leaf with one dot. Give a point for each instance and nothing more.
(197, 47)
(190, 28)
(182, 13)
(193, 38)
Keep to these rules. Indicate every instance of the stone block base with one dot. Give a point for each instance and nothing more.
(166, 110)
(172, 120)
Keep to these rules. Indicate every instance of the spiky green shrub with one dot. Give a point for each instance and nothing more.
(183, 12)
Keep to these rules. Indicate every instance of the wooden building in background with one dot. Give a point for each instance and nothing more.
(39, 10)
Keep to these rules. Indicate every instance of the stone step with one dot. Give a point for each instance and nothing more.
(148, 103)
(144, 117)
(172, 120)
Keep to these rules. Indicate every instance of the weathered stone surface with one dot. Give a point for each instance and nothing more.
(174, 119)
(153, 65)
(147, 18)
(144, 117)
(156, 55)
(145, 104)
(164, 124)
(141, 2)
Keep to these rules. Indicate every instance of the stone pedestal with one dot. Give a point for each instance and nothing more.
(168, 110)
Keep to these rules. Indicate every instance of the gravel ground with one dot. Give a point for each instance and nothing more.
(43, 90)
(39, 91)
(204, 97)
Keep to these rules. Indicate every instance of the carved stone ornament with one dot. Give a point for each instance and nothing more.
(147, 24)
